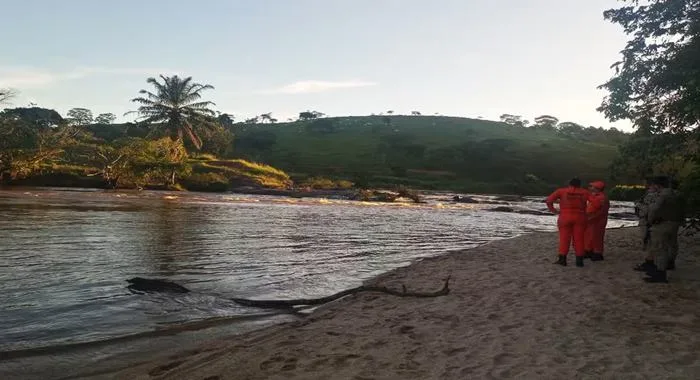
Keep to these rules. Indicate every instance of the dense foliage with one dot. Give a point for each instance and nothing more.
(657, 86)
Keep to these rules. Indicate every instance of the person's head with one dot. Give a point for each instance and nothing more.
(649, 181)
(596, 186)
(659, 182)
(575, 182)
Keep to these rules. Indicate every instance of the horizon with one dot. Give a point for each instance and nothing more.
(342, 59)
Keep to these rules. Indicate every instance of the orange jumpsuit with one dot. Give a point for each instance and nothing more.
(572, 218)
(597, 214)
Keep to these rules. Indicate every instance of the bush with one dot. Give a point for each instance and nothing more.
(320, 183)
(627, 193)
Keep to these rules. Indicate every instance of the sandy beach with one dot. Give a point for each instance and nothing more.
(510, 314)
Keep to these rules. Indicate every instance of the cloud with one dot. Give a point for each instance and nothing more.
(314, 86)
(23, 77)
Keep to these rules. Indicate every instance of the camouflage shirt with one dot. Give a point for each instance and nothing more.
(667, 206)
(641, 206)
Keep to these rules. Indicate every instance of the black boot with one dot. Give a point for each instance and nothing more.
(671, 265)
(561, 260)
(588, 255)
(597, 257)
(579, 261)
(646, 266)
(657, 277)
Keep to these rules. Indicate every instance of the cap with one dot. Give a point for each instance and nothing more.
(600, 185)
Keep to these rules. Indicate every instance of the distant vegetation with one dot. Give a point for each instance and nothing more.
(434, 152)
(179, 142)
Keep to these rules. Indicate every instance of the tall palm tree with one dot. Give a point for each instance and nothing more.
(175, 107)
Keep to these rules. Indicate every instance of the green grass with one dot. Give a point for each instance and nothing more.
(431, 152)
(237, 172)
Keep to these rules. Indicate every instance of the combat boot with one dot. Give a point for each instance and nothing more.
(597, 257)
(657, 277)
(579, 261)
(561, 260)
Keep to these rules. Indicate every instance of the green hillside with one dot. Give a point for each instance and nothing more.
(432, 152)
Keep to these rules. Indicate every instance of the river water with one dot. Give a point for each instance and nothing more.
(65, 254)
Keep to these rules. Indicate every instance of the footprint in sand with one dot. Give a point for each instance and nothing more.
(164, 368)
(288, 364)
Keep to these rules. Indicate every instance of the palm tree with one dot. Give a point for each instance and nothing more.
(176, 107)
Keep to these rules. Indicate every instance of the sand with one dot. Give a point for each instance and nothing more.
(510, 314)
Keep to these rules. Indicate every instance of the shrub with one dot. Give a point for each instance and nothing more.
(628, 193)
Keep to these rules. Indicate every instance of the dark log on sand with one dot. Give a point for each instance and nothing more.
(319, 301)
(157, 285)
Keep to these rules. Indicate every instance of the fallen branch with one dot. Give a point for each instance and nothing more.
(142, 285)
(319, 301)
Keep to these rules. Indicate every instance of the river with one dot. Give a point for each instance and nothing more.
(65, 255)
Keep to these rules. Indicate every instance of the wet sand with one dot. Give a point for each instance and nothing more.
(510, 314)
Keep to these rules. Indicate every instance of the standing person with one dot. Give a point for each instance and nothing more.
(674, 243)
(642, 209)
(572, 219)
(597, 220)
(665, 216)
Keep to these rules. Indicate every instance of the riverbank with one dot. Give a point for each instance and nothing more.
(511, 313)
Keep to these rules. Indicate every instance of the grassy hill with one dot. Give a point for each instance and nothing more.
(431, 152)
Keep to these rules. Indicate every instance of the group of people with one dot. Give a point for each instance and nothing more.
(583, 216)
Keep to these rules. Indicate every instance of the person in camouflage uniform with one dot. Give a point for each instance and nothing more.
(674, 244)
(641, 208)
(664, 215)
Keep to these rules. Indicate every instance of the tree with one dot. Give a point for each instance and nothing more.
(310, 115)
(176, 108)
(415, 113)
(390, 112)
(570, 129)
(80, 116)
(514, 120)
(35, 116)
(267, 117)
(6, 95)
(226, 120)
(105, 118)
(656, 83)
(546, 121)
(657, 86)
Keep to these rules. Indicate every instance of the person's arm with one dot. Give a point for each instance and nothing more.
(550, 201)
(655, 206)
(595, 207)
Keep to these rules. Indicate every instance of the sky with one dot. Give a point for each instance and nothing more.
(472, 58)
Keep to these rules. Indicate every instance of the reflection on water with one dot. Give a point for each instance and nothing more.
(65, 255)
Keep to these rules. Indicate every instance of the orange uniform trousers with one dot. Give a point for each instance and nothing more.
(595, 235)
(572, 227)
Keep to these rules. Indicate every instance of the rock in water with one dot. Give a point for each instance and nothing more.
(155, 285)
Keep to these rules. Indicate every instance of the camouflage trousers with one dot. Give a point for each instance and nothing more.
(644, 234)
(663, 243)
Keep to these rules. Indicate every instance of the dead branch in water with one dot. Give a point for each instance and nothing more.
(319, 301)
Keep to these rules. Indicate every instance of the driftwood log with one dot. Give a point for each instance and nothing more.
(283, 304)
(138, 284)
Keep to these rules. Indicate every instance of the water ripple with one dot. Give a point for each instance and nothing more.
(65, 255)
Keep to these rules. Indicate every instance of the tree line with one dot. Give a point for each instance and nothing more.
(656, 86)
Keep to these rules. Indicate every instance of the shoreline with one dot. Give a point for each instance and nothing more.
(601, 321)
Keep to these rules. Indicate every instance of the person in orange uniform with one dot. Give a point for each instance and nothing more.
(597, 220)
(572, 219)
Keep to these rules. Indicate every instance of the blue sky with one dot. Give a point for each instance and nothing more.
(342, 57)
